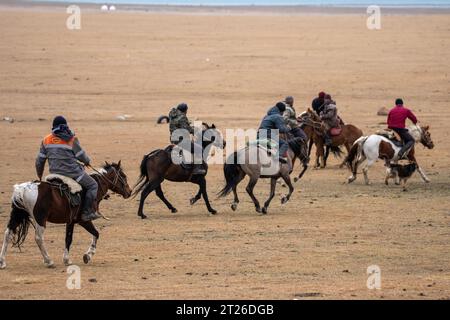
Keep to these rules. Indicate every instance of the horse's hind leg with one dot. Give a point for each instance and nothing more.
(196, 198)
(366, 170)
(6, 240)
(235, 203)
(89, 227)
(160, 195)
(39, 237)
(273, 184)
(152, 185)
(251, 185)
(69, 238)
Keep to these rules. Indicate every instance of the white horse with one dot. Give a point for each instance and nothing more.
(369, 149)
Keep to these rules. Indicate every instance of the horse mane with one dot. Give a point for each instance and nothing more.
(415, 131)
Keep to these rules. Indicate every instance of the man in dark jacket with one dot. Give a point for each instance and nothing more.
(275, 121)
(397, 122)
(63, 151)
(178, 120)
(318, 103)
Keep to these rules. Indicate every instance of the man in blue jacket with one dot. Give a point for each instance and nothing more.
(274, 121)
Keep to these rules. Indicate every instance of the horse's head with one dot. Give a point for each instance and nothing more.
(425, 137)
(117, 179)
(211, 135)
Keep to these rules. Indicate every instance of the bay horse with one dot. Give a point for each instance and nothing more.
(238, 166)
(374, 147)
(313, 124)
(40, 202)
(158, 166)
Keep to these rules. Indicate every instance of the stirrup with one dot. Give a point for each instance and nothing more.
(90, 216)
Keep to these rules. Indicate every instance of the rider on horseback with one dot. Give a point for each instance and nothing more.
(396, 121)
(178, 120)
(290, 118)
(63, 151)
(274, 121)
(318, 103)
(330, 119)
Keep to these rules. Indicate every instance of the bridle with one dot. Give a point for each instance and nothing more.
(117, 177)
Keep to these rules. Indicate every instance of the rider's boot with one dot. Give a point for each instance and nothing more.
(89, 216)
(88, 212)
(404, 151)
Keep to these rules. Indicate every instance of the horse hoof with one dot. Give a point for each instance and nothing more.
(296, 179)
(50, 265)
(86, 258)
(174, 210)
(264, 211)
(67, 263)
(234, 206)
(213, 211)
(284, 200)
(351, 179)
(192, 201)
(143, 216)
(2, 265)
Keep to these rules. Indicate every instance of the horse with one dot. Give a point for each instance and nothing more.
(158, 166)
(40, 202)
(238, 166)
(374, 147)
(349, 134)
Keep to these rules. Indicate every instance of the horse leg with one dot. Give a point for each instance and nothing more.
(236, 198)
(147, 190)
(89, 227)
(196, 198)
(39, 237)
(160, 195)
(251, 185)
(69, 237)
(301, 173)
(347, 147)
(419, 169)
(366, 170)
(287, 180)
(325, 157)
(202, 184)
(273, 184)
(6, 240)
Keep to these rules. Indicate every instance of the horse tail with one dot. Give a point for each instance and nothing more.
(231, 172)
(355, 153)
(143, 178)
(19, 220)
(337, 152)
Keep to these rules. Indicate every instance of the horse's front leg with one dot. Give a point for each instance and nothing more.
(287, 180)
(204, 193)
(39, 237)
(197, 197)
(273, 184)
(89, 227)
(6, 240)
(69, 238)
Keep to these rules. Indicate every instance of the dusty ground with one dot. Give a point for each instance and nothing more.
(230, 69)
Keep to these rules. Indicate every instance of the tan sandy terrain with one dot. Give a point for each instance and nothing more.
(230, 69)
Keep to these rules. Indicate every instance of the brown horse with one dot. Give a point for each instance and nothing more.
(41, 202)
(158, 166)
(313, 125)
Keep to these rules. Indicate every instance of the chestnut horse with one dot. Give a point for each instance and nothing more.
(312, 124)
(40, 202)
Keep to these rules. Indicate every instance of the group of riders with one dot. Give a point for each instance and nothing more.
(66, 157)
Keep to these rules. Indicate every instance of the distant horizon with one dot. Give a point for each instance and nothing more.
(320, 3)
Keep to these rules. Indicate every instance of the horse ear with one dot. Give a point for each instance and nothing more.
(213, 126)
(427, 128)
(107, 164)
(118, 164)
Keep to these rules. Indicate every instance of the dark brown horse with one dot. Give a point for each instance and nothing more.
(313, 125)
(158, 166)
(41, 202)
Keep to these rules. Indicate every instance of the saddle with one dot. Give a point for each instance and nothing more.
(393, 136)
(183, 164)
(68, 187)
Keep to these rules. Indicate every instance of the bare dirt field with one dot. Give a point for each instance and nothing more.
(230, 69)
